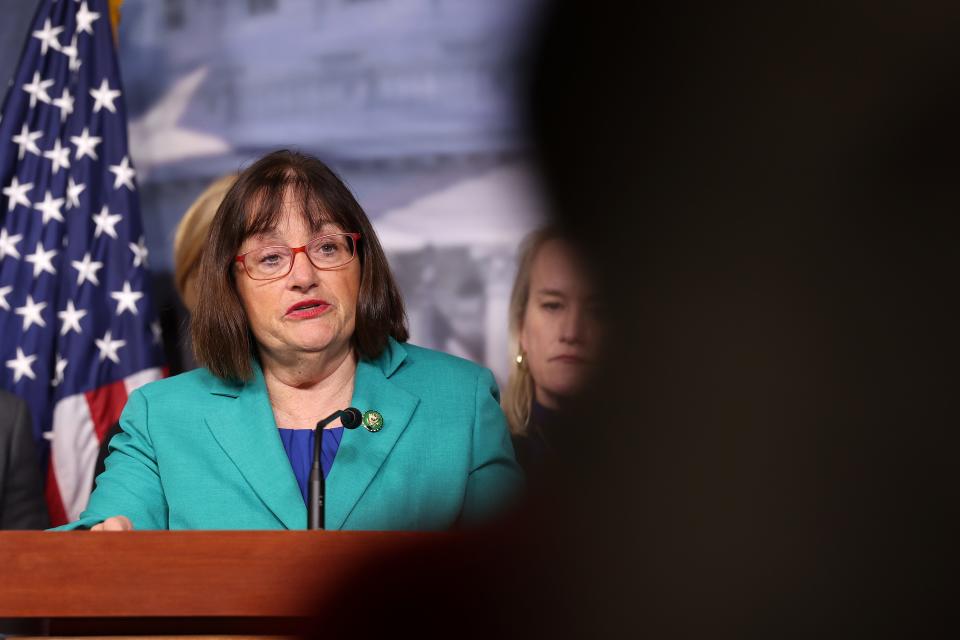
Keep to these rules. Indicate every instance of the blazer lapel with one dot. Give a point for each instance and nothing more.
(361, 452)
(244, 426)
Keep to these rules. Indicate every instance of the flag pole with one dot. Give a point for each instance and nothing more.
(115, 20)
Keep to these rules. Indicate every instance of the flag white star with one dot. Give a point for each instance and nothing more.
(38, 89)
(70, 318)
(86, 144)
(157, 332)
(123, 174)
(140, 252)
(61, 369)
(73, 193)
(71, 52)
(126, 299)
(106, 223)
(65, 103)
(104, 97)
(85, 19)
(87, 269)
(8, 244)
(22, 365)
(17, 193)
(27, 141)
(31, 313)
(48, 37)
(3, 297)
(50, 207)
(108, 348)
(59, 156)
(42, 260)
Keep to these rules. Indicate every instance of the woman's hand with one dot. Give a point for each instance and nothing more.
(114, 523)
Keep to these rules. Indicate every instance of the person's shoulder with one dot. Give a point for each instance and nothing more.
(433, 363)
(195, 381)
(8, 399)
(11, 410)
(427, 372)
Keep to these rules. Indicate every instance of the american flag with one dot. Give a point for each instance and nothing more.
(77, 329)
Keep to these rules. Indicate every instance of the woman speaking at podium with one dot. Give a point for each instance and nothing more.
(298, 317)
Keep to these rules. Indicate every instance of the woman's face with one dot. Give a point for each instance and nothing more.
(560, 330)
(306, 311)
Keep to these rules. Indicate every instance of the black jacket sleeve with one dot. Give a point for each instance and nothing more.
(21, 484)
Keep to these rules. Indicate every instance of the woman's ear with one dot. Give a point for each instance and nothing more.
(521, 337)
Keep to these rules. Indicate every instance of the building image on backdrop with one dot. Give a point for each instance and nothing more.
(413, 102)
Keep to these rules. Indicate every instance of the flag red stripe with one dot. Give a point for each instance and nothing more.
(106, 403)
(58, 515)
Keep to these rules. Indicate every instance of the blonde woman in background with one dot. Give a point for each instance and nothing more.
(191, 237)
(555, 335)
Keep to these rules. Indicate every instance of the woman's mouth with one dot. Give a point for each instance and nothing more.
(306, 309)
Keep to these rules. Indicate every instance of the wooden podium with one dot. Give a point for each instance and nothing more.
(186, 582)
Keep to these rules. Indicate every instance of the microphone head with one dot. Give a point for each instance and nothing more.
(351, 418)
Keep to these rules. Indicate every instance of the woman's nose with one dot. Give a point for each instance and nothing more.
(573, 327)
(302, 275)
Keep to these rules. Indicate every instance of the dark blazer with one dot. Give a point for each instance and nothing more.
(21, 484)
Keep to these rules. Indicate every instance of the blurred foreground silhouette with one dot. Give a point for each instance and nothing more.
(767, 193)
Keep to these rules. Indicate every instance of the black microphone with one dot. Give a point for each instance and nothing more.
(316, 487)
(351, 418)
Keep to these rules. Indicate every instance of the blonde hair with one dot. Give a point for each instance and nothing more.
(519, 393)
(191, 236)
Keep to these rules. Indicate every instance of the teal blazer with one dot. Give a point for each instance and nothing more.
(197, 452)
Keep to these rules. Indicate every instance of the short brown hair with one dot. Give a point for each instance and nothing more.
(222, 339)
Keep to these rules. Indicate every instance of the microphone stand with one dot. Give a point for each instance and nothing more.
(316, 485)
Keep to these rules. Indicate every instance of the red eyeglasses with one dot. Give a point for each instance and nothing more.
(326, 252)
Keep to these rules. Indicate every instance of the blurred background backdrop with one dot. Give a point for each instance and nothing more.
(413, 102)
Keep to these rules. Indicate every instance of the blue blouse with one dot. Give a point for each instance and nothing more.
(298, 444)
